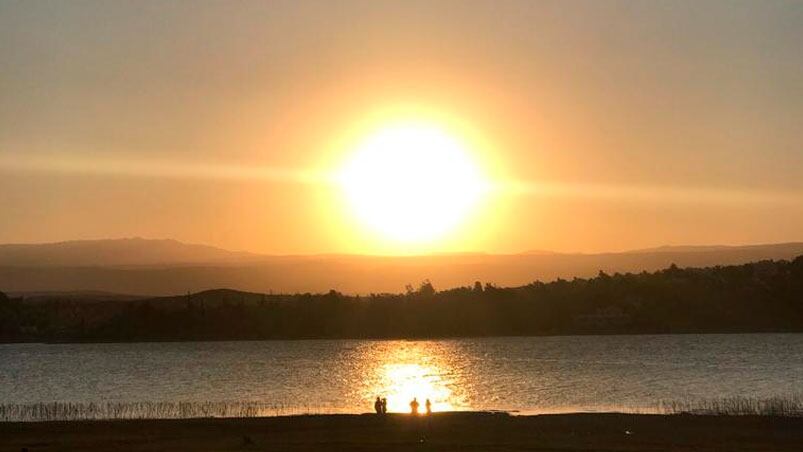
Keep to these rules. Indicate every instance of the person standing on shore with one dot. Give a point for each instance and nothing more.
(378, 405)
(428, 405)
(414, 406)
(384, 405)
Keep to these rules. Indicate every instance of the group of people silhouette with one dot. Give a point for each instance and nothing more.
(381, 406)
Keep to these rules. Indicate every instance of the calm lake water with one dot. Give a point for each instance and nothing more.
(530, 374)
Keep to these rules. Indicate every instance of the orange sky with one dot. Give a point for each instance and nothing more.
(618, 125)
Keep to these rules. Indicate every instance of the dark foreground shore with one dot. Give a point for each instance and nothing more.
(440, 432)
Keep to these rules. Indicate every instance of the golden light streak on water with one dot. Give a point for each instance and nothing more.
(401, 371)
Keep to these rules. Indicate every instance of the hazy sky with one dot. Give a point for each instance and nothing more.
(625, 124)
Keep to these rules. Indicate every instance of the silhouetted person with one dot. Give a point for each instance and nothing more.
(414, 406)
(378, 406)
(384, 405)
(428, 404)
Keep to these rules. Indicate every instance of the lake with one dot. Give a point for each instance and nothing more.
(523, 374)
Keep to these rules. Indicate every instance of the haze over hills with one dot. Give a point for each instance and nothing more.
(115, 252)
(167, 267)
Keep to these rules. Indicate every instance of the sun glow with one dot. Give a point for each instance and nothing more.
(403, 370)
(412, 182)
(408, 381)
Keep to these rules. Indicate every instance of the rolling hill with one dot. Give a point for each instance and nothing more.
(167, 267)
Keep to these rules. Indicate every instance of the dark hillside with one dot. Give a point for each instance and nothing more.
(765, 296)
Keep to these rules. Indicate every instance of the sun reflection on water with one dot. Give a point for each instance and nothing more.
(401, 371)
(406, 381)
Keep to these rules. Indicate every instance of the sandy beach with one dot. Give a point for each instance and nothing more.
(439, 432)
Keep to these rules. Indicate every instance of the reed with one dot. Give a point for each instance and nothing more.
(77, 411)
(790, 406)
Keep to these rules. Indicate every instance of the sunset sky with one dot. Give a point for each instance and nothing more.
(583, 126)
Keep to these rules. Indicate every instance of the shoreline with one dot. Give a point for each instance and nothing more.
(480, 431)
(404, 338)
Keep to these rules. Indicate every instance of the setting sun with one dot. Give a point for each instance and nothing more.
(411, 182)
(392, 225)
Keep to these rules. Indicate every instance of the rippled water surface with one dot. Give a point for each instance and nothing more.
(533, 374)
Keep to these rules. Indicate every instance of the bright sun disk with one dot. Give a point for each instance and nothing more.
(411, 182)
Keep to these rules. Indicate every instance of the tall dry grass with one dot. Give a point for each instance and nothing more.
(72, 411)
(76, 411)
(737, 406)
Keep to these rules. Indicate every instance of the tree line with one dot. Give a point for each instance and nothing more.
(764, 296)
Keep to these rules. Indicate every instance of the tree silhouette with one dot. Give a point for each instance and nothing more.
(762, 296)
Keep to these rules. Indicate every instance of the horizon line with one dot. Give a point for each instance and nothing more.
(263, 254)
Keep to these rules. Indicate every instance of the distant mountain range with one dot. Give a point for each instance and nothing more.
(116, 253)
(168, 267)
